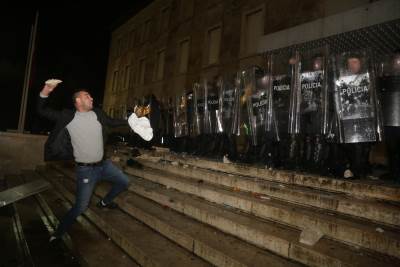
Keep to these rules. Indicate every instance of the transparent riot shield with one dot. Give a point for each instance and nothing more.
(255, 84)
(212, 122)
(389, 89)
(198, 109)
(283, 69)
(180, 116)
(355, 98)
(190, 113)
(311, 93)
(227, 102)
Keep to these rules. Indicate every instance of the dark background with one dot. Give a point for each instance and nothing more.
(72, 45)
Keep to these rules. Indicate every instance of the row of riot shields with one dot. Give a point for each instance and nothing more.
(291, 95)
(295, 94)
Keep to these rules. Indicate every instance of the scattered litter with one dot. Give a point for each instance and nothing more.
(236, 189)
(175, 163)
(231, 175)
(348, 174)
(109, 239)
(281, 185)
(310, 236)
(265, 197)
(185, 166)
(226, 160)
(380, 230)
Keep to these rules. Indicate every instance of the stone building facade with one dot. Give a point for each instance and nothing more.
(172, 43)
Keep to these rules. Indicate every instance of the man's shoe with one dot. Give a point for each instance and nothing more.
(55, 241)
(111, 205)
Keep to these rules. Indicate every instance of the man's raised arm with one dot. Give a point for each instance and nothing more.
(41, 108)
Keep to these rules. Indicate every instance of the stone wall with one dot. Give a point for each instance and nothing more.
(20, 152)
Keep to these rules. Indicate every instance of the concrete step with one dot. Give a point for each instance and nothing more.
(382, 212)
(95, 248)
(204, 241)
(269, 235)
(140, 242)
(358, 188)
(309, 220)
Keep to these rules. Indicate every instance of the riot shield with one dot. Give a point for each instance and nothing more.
(212, 119)
(311, 93)
(227, 102)
(389, 85)
(190, 113)
(355, 98)
(255, 84)
(198, 109)
(180, 116)
(167, 121)
(283, 68)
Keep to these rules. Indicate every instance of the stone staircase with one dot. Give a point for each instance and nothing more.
(27, 223)
(186, 211)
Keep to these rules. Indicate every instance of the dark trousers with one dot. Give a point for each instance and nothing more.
(86, 180)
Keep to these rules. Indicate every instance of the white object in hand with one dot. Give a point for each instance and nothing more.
(53, 82)
(141, 126)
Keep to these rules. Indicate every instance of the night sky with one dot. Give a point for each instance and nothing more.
(72, 45)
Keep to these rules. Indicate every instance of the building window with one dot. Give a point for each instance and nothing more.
(119, 47)
(132, 78)
(186, 9)
(147, 28)
(141, 33)
(142, 70)
(160, 65)
(164, 19)
(183, 56)
(214, 42)
(114, 81)
(121, 81)
(132, 38)
(253, 31)
(127, 76)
